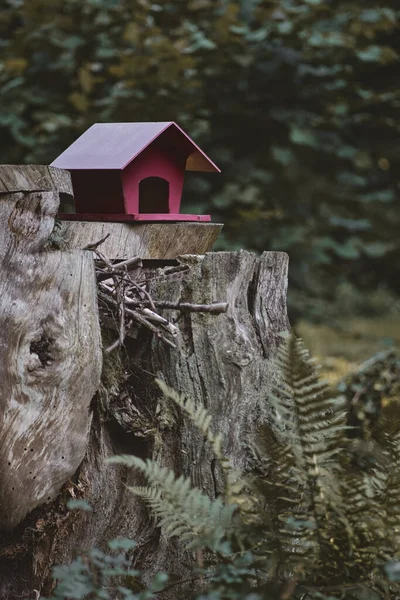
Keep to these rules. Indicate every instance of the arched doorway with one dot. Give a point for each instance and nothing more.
(154, 195)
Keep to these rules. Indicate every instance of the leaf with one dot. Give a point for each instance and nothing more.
(382, 54)
(375, 15)
(159, 582)
(351, 224)
(16, 65)
(370, 54)
(71, 42)
(121, 544)
(377, 249)
(85, 79)
(10, 85)
(303, 136)
(378, 196)
(132, 32)
(349, 250)
(323, 39)
(341, 109)
(79, 101)
(79, 505)
(284, 156)
(259, 35)
(392, 570)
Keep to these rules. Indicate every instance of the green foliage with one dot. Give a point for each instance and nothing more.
(104, 575)
(310, 516)
(181, 510)
(303, 440)
(315, 514)
(296, 100)
(373, 391)
(202, 420)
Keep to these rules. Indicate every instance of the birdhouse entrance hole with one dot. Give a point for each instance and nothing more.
(154, 195)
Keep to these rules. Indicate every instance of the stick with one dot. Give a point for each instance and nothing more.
(136, 261)
(172, 329)
(137, 317)
(96, 244)
(215, 309)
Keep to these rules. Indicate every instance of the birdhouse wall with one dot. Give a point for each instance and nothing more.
(155, 161)
(98, 191)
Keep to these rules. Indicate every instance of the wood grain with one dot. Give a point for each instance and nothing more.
(49, 369)
(34, 178)
(221, 361)
(147, 240)
(50, 349)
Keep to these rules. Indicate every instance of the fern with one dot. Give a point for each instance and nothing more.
(306, 427)
(201, 419)
(199, 416)
(317, 506)
(180, 509)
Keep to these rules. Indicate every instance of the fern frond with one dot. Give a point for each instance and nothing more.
(307, 414)
(201, 419)
(180, 509)
(299, 458)
(198, 415)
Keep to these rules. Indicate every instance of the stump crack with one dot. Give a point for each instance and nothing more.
(251, 303)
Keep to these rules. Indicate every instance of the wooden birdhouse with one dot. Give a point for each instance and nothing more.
(132, 172)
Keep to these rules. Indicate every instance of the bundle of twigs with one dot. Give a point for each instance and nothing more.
(124, 300)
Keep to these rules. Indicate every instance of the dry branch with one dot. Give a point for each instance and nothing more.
(215, 308)
(123, 297)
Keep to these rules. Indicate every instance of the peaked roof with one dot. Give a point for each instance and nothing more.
(115, 145)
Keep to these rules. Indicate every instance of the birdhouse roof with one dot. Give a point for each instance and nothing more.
(115, 145)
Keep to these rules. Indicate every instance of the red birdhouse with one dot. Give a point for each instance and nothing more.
(132, 172)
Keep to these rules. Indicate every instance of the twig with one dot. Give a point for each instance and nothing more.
(145, 292)
(137, 317)
(103, 274)
(215, 309)
(128, 300)
(136, 261)
(152, 328)
(172, 329)
(113, 346)
(150, 314)
(121, 310)
(96, 244)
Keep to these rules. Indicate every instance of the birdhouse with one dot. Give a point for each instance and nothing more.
(132, 172)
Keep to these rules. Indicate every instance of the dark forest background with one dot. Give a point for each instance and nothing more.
(297, 101)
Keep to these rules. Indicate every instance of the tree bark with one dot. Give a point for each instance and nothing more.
(220, 360)
(50, 354)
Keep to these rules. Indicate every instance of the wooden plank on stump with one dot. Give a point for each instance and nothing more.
(147, 240)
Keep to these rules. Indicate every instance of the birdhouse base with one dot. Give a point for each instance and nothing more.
(123, 218)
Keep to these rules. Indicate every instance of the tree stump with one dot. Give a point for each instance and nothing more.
(221, 361)
(50, 357)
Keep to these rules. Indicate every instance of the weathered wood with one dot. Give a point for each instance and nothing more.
(220, 360)
(147, 240)
(50, 348)
(34, 178)
(49, 370)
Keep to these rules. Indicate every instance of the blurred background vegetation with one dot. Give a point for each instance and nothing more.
(296, 100)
